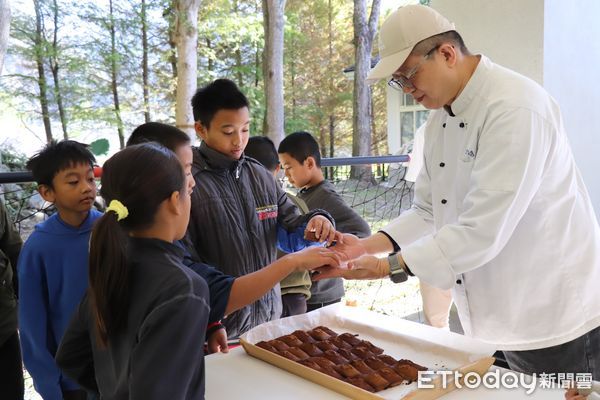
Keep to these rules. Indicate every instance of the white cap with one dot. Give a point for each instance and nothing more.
(401, 31)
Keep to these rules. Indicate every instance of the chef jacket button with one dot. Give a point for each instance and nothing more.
(444, 125)
(442, 164)
(444, 201)
(458, 282)
(462, 124)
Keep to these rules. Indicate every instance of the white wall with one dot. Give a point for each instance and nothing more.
(572, 76)
(393, 97)
(509, 32)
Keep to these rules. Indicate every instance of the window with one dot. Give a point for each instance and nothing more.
(412, 116)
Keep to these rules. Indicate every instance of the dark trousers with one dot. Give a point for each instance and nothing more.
(581, 355)
(75, 395)
(11, 369)
(293, 304)
(315, 306)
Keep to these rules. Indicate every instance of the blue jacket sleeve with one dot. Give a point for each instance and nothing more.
(292, 241)
(34, 329)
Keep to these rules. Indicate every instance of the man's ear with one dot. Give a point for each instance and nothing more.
(46, 192)
(201, 130)
(449, 52)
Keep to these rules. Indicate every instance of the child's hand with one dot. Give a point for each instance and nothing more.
(314, 257)
(217, 342)
(321, 229)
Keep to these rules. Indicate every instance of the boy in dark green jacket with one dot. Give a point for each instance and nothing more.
(11, 378)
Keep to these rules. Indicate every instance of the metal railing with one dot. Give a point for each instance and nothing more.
(373, 186)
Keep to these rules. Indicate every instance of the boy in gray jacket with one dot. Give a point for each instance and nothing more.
(237, 207)
(301, 161)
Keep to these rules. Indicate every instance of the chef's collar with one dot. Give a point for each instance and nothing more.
(471, 89)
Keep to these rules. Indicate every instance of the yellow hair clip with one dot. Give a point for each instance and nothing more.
(118, 208)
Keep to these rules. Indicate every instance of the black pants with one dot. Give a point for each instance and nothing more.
(581, 355)
(315, 306)
(293, 304)
(11, 369)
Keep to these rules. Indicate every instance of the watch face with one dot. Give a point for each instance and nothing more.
(399, 276)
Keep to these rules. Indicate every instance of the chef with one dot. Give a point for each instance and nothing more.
(501, 215)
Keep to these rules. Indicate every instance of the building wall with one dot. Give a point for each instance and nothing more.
(572, 76)
(509, 32)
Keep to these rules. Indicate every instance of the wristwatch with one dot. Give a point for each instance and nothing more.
(397, 273)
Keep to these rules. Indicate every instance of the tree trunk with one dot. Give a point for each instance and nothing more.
(292, 59)
(331, 135)
(54, 67)
(375, 138)
(331, 93)
(186, 37)
(169, 15)
(4, 29)
(257, 55)
(273, 67)
(238, 53)
(113, 75)
(364, 32)
(211, 65)
(39, 60)
(145, 62)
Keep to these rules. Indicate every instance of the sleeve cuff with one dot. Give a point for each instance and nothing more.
(428, 263)
(396, 247)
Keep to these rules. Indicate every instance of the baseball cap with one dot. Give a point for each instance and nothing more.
(401, 31)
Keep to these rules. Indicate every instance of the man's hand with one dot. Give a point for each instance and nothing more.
(349, 248)
(366, 267)
(217, 342)
(320, 229)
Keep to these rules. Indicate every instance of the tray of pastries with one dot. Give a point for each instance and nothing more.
(344, 356)
(355, 354)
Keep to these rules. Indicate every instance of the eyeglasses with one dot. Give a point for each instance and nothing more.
(405, 81)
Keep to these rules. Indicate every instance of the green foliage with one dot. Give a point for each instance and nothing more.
(230, 45)
(12, 158)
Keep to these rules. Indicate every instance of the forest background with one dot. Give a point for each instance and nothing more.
(94, 70)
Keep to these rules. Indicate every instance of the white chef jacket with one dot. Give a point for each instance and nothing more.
(502, 216)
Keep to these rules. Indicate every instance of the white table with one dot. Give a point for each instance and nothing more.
(239, 376)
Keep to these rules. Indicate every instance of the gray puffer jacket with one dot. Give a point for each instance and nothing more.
(236, 208)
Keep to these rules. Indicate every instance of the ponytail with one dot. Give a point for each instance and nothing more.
(109, 277)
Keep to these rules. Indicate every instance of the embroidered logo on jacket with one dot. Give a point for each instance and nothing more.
(266, 212)
(469, 154)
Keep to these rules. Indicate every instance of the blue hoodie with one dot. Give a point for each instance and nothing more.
(53, 277)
